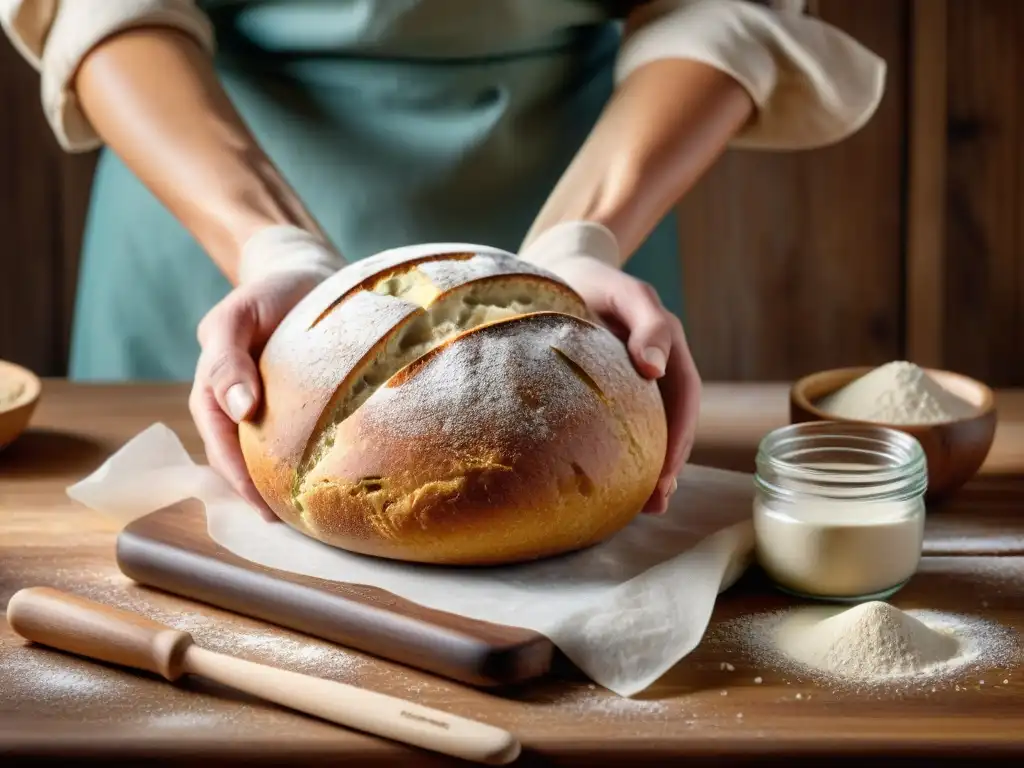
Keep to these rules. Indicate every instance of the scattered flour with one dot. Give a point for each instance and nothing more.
(42, 674)
(896, 393)
(871, 645)
(592, 701)
(51, 683)
(236, 635)
(618, 707)
(53, 678)
(186, 720)
(269, 646)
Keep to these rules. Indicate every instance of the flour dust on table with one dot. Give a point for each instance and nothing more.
(594, 702)
(62, 686)
(873, 645)
(238, 636)
(65, 685)
(41, 674)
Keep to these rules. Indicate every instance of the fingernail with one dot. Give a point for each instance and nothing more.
(239, 400)
(673, 487)
(655, 358)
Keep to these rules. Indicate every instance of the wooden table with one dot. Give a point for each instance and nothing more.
(717, 706)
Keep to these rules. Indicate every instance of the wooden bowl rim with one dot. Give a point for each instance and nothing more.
(800, 386)
(33, 387)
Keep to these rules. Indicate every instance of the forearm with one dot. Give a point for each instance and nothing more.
(664, 127)
(694, 76)
(153, 96)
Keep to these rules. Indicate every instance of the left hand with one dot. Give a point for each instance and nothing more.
(656, 342)
(278, 265)
(227, 387)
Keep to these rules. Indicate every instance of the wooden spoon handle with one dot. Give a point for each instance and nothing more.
(74, 624)
(360, 709)
(87, 628)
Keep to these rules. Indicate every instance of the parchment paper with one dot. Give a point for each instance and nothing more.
(624, 612)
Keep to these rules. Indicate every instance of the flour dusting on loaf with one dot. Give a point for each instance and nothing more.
(456, 410)
(509, 377)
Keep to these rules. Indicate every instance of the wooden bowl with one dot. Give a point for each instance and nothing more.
(19, 393)
(955, 450)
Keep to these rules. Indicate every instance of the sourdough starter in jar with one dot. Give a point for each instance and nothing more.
(839, 549)
(839, 509)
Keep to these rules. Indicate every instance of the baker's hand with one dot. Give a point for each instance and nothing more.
(584, 255)
(227, 386)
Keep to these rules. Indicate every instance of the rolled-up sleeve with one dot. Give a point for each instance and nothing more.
(812, 84)
(54, 36)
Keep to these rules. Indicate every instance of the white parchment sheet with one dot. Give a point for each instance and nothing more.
(624, 612)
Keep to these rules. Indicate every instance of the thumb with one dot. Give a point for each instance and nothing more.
(227, 365)
(647, 323)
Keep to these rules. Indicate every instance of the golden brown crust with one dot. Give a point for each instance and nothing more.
(526, 435)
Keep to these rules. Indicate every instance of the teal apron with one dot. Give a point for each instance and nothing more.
(396, 121)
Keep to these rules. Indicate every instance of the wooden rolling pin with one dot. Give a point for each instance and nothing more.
(76, 625)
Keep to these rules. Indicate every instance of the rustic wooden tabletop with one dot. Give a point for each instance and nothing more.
(719, 705)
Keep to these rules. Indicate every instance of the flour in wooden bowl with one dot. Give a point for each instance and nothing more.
(872, 645)
(897, 393)
(10, 391)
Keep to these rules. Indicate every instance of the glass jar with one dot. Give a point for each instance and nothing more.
(839, 509)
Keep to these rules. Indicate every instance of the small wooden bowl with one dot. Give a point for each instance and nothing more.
(16, 413)
(955, 450)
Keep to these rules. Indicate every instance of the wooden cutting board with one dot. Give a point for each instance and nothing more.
(170, 550)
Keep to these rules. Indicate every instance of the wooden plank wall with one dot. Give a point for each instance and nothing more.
(906, 241)
(965, 236)
(793, 260)
(983, 295)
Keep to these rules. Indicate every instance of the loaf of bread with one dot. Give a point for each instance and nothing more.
(452, 405)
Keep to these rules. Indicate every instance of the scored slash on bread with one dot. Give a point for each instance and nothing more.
(374, 281)
(452, 405)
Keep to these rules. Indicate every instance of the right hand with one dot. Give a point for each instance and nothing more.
(657, 345)
(227, 386)
(585, 255)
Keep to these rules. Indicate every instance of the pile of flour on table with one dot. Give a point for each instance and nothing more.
(869, 641)
(872, 643)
